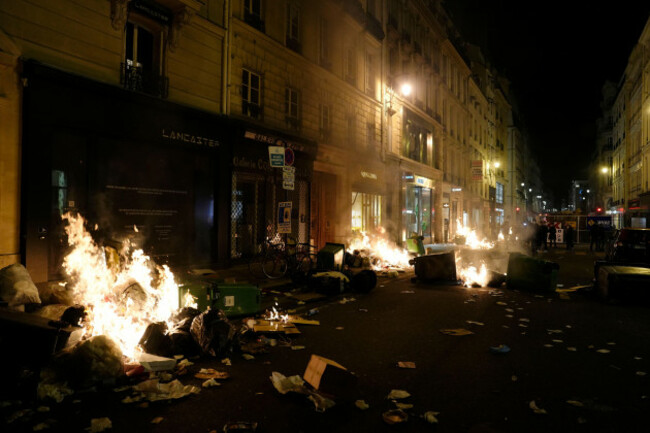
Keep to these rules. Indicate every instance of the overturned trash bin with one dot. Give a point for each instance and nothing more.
(435, 267)
(331, 257)
(531, 274)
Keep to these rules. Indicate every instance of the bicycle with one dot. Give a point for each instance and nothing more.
(278, 259)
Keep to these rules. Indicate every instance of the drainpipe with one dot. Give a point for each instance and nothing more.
(225, 64)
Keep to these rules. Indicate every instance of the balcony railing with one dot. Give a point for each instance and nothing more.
(134, 78)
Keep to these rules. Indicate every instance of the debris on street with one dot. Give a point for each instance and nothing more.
(456, 332)
(397, 394)
(395, 416)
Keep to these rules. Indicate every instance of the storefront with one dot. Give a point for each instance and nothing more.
(259, 190)
(131, 165)
(418, 212)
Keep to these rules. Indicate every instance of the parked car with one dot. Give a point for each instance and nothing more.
(629, 246)
(627, 253)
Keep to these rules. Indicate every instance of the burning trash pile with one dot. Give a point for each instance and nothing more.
(377, 253)
(477, 260)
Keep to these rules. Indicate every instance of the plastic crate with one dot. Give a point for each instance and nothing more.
(531, 274)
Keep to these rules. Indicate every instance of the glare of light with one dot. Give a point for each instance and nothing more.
(497, 164)
(406, 89)
(522, 184)
(530, 190)
(604, 169)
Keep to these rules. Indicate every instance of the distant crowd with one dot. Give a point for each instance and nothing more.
(541, 235)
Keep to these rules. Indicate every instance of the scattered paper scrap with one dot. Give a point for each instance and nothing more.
(361, 404)
(611, 343)
(548, 345)
(536, 409)
(501, 303)
(210, 383)
(637, 358)
(509, 316)
(406, 364)
(431, 417)
(300, 321)
(640, 373)
(100, 424)
(155, 391)
(473, 322)
(339, 328)
(211, 373)
(501, 348)
(297, 347)
(554, 331)
(575, 403)
(226, 361)
(603, 351)
(184, 363)
(397, 394)
(157, 420)
(395, 416)
(456, 332)
(558, 341)
(572, 349)
(510, 310)
(247, 356)
(523, 319)
(287, 384)
(404, 406)
(408, 291)
(514, 378)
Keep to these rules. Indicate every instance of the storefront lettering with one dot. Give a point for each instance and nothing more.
(368, 175)
(189, 138)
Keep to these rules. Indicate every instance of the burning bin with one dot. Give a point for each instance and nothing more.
(198, 291)
(531, 274)
(331, 257)
(233, 299)
(438, 266)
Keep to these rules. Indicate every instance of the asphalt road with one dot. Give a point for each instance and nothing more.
(555, 361)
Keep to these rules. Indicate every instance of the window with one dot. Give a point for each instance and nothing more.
(366, 212)
(291, 101)
(251, 98)
(324, 50)
(499, 196)
(350, 67)
(325, 123)
(370, 136)
(142, 70)
(292, 36)
(369, 77)
(253, 14)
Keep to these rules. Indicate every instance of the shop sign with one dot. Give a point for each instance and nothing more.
(368, 175)
(185, 137)
(276, 156)
(284, 217)
(424, 182)
(477, 169)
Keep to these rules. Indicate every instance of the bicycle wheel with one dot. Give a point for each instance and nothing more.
(301, 268)
(274, 265)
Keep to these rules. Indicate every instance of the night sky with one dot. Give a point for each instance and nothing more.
(557, 57)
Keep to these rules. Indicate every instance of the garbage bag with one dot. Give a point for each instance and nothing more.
(71, 315)
(17, 287)
(364, 281)
(213, 332)
(156, 340)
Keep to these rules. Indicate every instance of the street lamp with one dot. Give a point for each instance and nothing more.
(604, 170)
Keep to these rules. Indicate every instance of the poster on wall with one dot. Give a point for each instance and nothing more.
(284, 217)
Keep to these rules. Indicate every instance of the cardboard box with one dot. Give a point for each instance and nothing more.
(330, 378)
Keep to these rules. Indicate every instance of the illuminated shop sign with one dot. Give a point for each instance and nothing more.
(368, 175)
(185, 137)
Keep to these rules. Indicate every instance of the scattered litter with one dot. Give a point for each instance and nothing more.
(567, 326)
(501, 348)
(211, 373)
(501, 303)
(558, 341)
(514, 378)
(240, 426)
(312, 312)
(638, 358)
(571, 349)
(603, 351)
(591, 346)
(521, 325)
(155, 391)
(321, 403)
(247, 356)
(157, 420)
(226, 361)
(100, 424)
(297, 347)
(346, 300)
(510, 310)
(431, 417)
(456, 332)
(287, 384)
(406, 364)
(473, 322)
(41, 426)
(560, 285)
(554, 331)
(575, 403)
(505, 326)
(611, 343)
(300, 321)
(210, 383)
(404, 406)
(523, 319)
(397, 394)
(395, 416)
(43, 409)
(339, 328)
(55, 391)
(407, 291)
(361, 404)
(536, 409)
(640, 373)
(548, 345)
(509, 316)
(363, 310)
(184, 363)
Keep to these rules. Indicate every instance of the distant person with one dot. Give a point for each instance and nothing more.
(593, 237)
(544, 235)
(568, 237)
(552, 234)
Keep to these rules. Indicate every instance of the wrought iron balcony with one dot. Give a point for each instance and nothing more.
(134, 78)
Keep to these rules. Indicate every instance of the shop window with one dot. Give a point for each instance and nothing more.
(253, 14)
(142, 69)
(415, 142)
(292, 37)
(366, 212)
(251, 95)
(499, 192)
(291, 108)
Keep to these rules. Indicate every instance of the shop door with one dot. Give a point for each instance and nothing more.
(323, 208)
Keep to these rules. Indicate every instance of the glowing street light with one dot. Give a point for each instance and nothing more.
(406, 89)
(604, 170)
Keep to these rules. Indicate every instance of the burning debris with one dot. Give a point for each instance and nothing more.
(377, 252)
